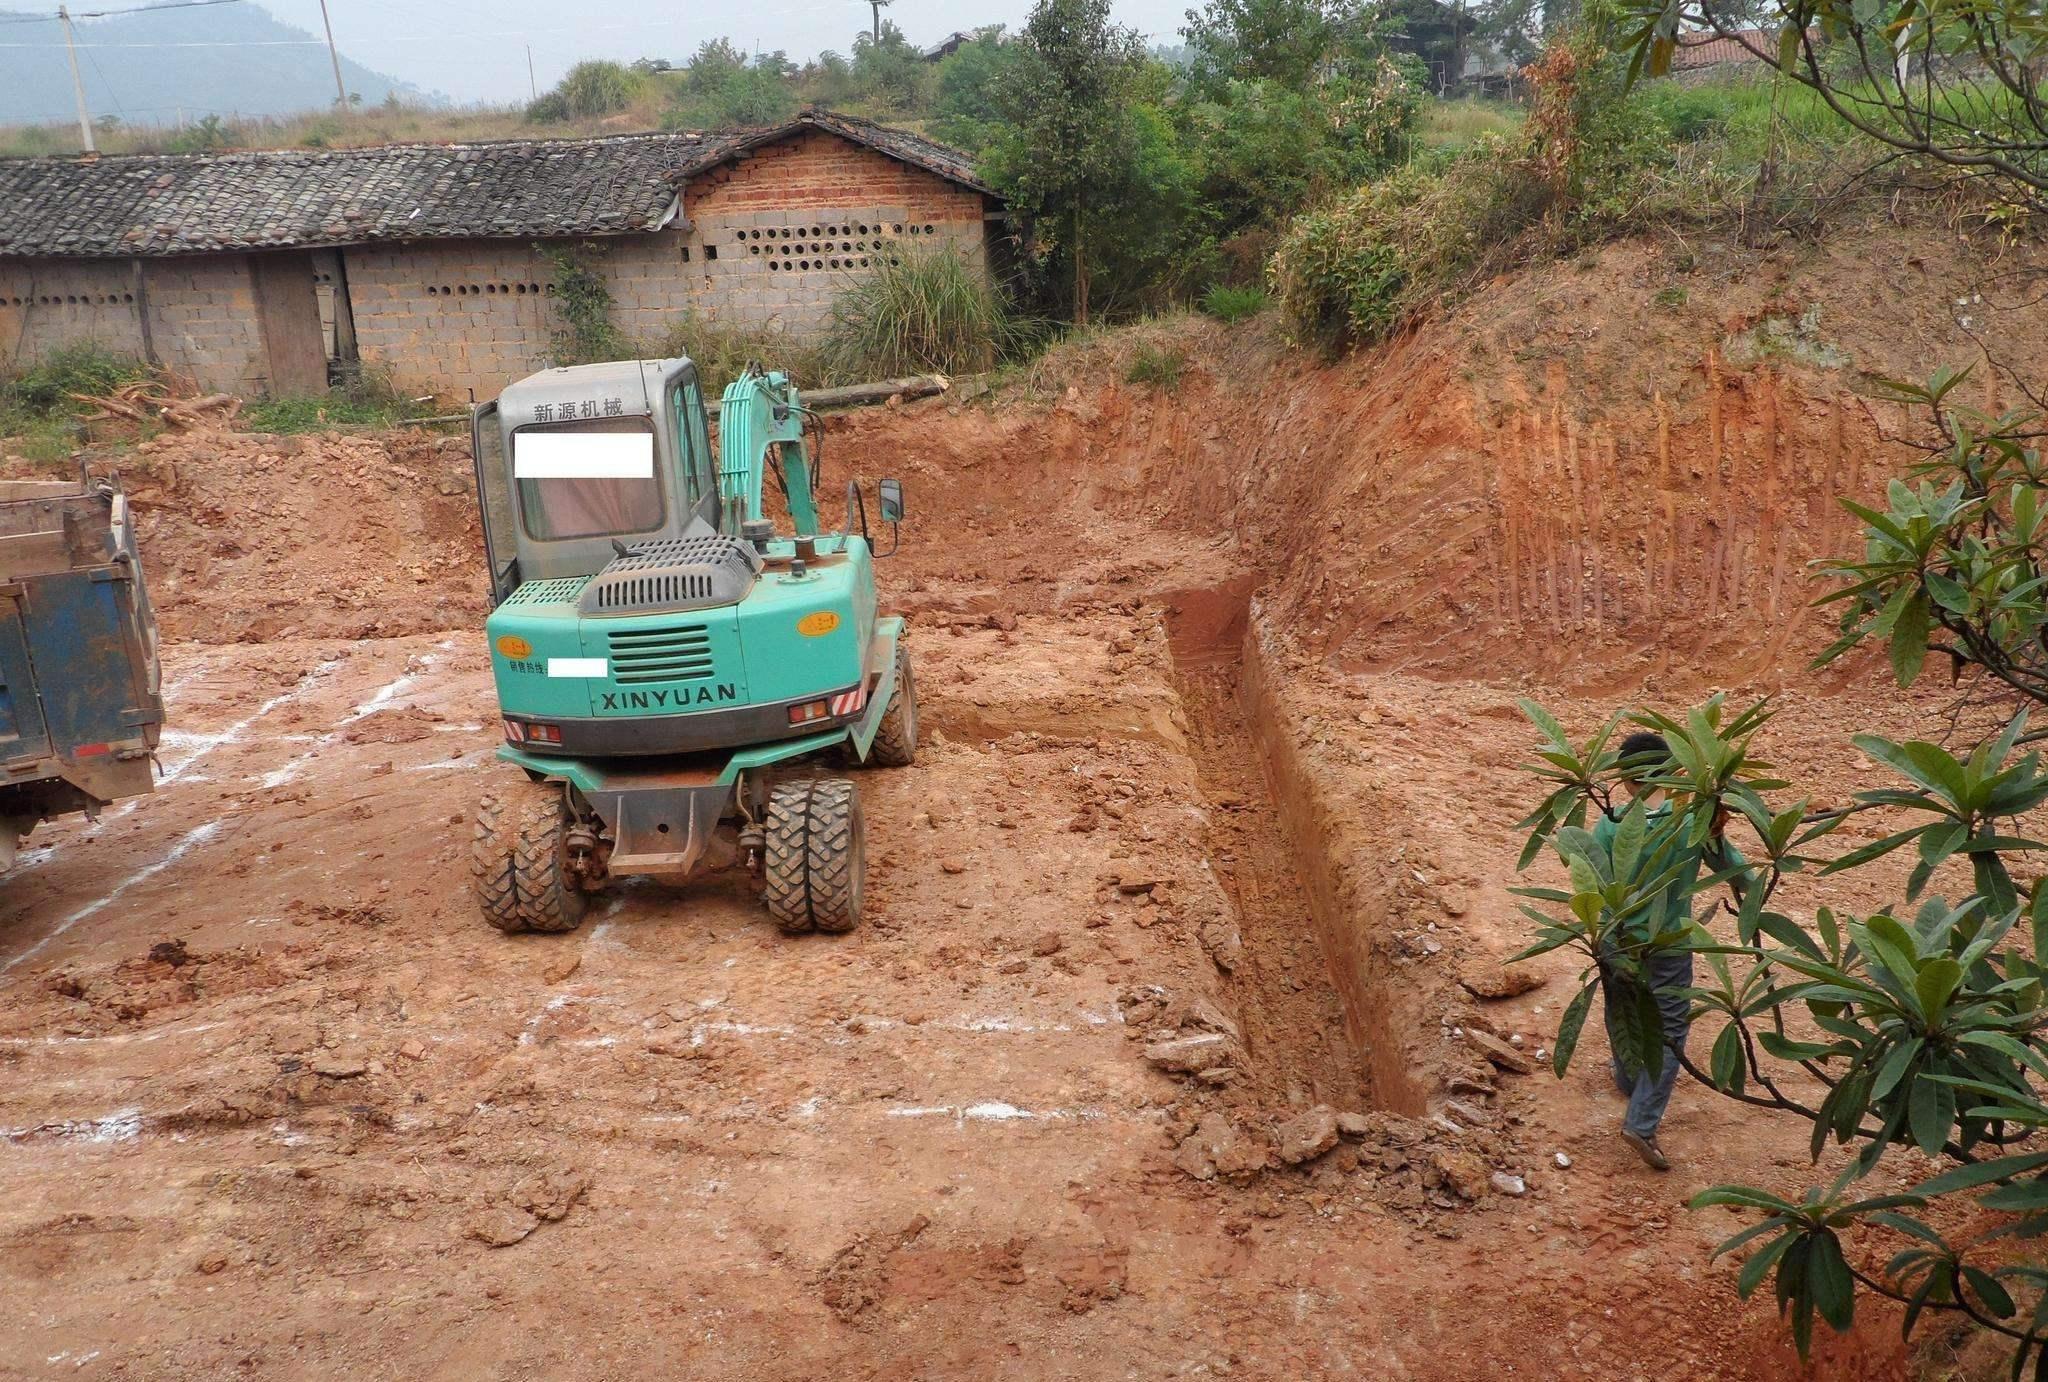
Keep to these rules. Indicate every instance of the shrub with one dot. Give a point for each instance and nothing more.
(722, 351)
(922, 310)
(583, 308)
(1160, 367)
(46, 388)
(1590, 160)
(1233, 304)
(206, 135)
(367, 399)
(588, 90)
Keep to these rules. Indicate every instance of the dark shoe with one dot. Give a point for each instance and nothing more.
(1648, 1150)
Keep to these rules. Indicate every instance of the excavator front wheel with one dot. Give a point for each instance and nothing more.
(519, 859)
(815, 855)
(895, 743)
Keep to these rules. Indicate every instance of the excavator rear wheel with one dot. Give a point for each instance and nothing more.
(518, 859)
(895, 743)
(815, 855)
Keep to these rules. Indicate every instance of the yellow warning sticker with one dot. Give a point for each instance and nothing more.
(513, 646)
(818, 623)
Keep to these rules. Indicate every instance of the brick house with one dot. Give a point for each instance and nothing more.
(273, 271)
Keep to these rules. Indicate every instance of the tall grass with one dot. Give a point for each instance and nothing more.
(1232, 304)
(923, 310)
(721, 351)
(1454, 124)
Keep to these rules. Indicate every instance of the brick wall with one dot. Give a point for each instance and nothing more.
(449, 318)
(202, 314)
(771, 240)
(203, 321)
(46, 303)
(775, 236)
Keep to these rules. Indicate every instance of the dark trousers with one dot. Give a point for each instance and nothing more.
(1649, 1091)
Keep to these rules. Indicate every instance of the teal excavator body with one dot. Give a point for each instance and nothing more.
(656, 644)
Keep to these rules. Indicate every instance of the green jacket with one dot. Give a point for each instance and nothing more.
(1675, 901)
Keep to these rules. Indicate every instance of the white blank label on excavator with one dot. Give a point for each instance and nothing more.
(578, 667)
(583, 455)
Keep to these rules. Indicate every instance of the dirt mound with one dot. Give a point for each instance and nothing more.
(1632, 457)
(247, 537)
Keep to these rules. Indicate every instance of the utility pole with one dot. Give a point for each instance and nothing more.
(532, 86)
(877, 6)
(77, 86)
(340, 91)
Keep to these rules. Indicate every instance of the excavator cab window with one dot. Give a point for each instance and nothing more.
(608, 487)
(494, 498)
(700, 481)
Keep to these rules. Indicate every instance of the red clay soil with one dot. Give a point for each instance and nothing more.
(1219, 758)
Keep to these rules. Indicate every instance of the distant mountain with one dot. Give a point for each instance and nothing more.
(148, 67)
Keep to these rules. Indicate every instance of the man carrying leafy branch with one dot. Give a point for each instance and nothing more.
(1646, 987)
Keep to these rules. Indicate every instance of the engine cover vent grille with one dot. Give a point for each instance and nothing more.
(546, 592)
(696, 572)
(650, 655)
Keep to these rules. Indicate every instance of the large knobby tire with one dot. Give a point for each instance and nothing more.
(816, 855)
(517, 859)
(895, 743)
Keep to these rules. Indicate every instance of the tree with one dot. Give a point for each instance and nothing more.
(965, 103)
(1923, 1024)
(827, 80)
(1961, 84)
(1070, 131)
(721, 88)
(890, 76)
(1285, 41)
(1268, 150)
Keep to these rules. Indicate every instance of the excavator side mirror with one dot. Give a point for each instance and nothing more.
(892, 501)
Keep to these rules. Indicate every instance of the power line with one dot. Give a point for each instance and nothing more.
(511, 36)
(108, 14)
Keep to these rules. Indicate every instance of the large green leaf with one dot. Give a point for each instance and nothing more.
(1909, 640)
(1982, 1173)
(1569, 1027)
(1894, 1067)
(1834, 1290)
(1934, 984)
(1930, 1113)
(1727, 1062)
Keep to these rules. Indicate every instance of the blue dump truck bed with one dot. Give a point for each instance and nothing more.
(81, 701)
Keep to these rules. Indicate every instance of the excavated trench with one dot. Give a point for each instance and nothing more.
(1320, 1022)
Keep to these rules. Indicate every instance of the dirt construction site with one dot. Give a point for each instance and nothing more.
(1176, 1041)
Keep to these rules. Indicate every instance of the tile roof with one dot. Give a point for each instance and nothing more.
(899, 144)
(167, 204)
(1703, 49)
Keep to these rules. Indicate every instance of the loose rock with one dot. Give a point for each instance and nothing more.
(1218, 1148)
(501, 1226)
(1499, 1052)
(1306, 1135)
(1494, 982)
(1190, 1055)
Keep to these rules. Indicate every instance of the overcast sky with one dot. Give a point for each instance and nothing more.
(475, 50)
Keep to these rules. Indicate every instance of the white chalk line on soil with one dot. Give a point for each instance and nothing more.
(381, 697)
(115, 1038)
(198, 743)
(192, 839)
(838, 1033)
(991, 1111)
(123, 1125)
